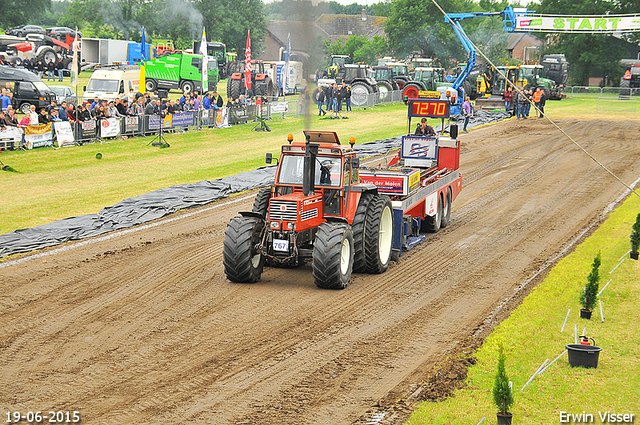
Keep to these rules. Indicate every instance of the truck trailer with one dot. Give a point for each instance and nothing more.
(181, 71)
(325, 208)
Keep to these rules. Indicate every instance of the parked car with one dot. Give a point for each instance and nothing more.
(27, 88)
(24, 30)
(64, 94)
(61, 33)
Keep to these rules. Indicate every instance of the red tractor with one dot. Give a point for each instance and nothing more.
(260, 82)
(344, 218)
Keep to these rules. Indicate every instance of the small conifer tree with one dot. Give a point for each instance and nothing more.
(635, 235)
(502, 393)
(589, 294)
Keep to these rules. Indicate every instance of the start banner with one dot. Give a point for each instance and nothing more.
(584, 24)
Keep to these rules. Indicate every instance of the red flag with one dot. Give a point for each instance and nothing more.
(247, 63)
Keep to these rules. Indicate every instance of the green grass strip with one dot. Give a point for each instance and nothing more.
(531, 334)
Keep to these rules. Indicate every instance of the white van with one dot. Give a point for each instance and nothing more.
(112, 83)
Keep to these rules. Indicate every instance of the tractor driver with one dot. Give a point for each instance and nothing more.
(424, 129)
(325, 172)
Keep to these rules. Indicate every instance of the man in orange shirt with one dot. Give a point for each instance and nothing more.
(536, 99)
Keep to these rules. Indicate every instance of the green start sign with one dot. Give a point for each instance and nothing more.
(585, 24)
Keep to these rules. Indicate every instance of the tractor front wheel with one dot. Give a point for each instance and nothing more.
(333, 256)
(261, 203)
(242, 261)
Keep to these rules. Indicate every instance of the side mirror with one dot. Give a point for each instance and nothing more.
(84, 88)
(355, 163)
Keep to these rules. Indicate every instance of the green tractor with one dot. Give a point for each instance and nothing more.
(531, 77)
(425, 79)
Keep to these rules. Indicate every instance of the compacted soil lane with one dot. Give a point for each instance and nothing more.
(142, 327)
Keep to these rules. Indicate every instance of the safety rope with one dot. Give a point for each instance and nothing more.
(454, 23)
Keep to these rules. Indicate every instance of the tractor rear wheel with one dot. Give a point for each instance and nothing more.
(378, 235)
(625, 89)
(446, 214)
(333, 256)
(385, 89)
(432, 224)
(359, 222)
(46, 55)
(233, 89)
(261, 203)
(360, 94)
(411, 91)
(242, 261)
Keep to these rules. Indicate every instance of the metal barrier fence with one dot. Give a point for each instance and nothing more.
(611, 99)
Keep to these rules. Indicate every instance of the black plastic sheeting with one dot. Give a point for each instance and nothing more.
(157, 204)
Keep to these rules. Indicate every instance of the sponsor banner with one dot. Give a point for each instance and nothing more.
(130, 124)
(587, 24)
(166, 123)
(64, 134)
(89, 129)
(10, 138)
(419, 147)
(154, 122)
(38, 136)
(109, 127)
(182, 119)
(428, 94)
(278, 107)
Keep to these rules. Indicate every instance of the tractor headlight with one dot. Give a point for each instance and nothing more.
(274, 225)
(291, 226)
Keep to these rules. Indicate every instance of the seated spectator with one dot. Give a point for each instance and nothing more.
(3, 123)
(42, 117)
(11, 119)
(6, 100)
(62, 112)
(25, 121)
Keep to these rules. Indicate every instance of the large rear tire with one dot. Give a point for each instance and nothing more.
(378, 235)
(432, 224)
(384, 89)
(47, 54)
(150, 85)
(360, 94)
(411, 91)
(233, 89)
(446, 214)
(359, 223)
(242, 261)
(333, 256)
(625, 89)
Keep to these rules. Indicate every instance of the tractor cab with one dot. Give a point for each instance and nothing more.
(314, 179)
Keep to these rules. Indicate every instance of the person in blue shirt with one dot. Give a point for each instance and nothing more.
(62, 112)
(206, 102)
(96, 102)
(6, 100)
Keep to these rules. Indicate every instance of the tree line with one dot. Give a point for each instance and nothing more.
(414, 27)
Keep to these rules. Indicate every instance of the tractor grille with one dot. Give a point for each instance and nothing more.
(306, 215)
(283, 210)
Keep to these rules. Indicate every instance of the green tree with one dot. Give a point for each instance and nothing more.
(502, 393)
(18, 12)
(229, 21)
(359, 48)
(589, 294)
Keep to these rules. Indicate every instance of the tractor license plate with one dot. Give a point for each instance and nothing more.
(281, 245)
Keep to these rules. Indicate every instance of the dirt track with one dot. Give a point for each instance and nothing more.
(143, 327)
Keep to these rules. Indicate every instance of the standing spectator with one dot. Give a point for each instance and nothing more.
(7, 87)
(521, 100)
(206, 102)
(220, 102)
(51, 69)
(320, 100)
(121, 106)
(536, 100)
(62, 112)
(132, 96)
(543, 101)
(347, 98)
(72, 113)
(112, 110)
(41, 68)
(328, 96)
(95, 103)
(196, 102)
(527, 105)
(54, 105)
(84, 114)
(3, 123)
(26, 63)
(342, 92)
(150, 109)
(335, 93)
(466, 107)
(6, 100)
(60, 68)
(54, 116)
(508, 99)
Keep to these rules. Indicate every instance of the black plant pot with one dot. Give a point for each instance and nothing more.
(504, 419)
(585, 314)
(583, 355)
(633, 255)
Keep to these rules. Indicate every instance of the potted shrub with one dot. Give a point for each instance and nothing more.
(589, 294)
(502, 393)
(635, 239)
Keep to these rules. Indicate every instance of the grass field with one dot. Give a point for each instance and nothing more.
(532, 334)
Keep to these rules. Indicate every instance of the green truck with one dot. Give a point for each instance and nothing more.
(181, 71)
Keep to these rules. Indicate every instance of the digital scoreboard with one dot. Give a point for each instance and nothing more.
(429, 108)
